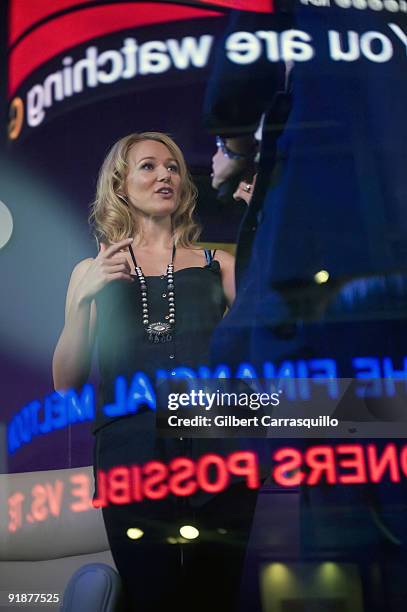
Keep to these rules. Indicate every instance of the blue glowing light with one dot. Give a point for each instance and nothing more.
(376, 377)
(128, 401)
(58, 410)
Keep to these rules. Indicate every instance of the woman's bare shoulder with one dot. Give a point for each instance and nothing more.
(78, 273)
(83, 266)
(225, 258)
(224, 255)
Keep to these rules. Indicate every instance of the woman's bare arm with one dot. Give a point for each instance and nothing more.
(73, 353)
(227, 266)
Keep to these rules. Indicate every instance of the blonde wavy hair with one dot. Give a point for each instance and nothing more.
(111, 216)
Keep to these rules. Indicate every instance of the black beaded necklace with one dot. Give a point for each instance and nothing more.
(159, 331)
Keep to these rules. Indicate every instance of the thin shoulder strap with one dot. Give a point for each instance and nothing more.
(208, 256)
(133, 256)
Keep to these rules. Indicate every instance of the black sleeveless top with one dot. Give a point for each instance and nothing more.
(123, 345)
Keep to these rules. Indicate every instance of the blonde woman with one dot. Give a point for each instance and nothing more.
(151, 298)
(143, 214)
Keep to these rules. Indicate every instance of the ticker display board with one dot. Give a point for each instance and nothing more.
(65, 53)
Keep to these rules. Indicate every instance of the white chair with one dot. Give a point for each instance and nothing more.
(50, 533)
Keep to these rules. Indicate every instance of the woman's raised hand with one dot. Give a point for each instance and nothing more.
(110, 264)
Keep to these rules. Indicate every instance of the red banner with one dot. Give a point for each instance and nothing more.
(24, 15)
(73, 29)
